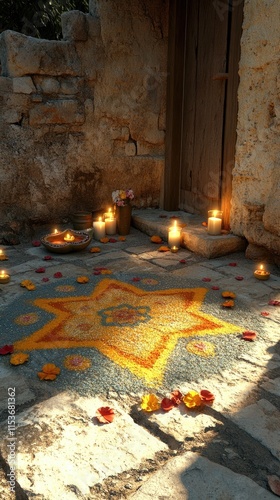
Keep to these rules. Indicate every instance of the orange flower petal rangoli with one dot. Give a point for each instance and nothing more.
(19, 358)
(49, 372)
(150, 402)
(192, 399)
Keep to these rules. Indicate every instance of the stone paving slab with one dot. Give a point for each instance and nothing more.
(193, 477)
(63, 451)
(262, 421)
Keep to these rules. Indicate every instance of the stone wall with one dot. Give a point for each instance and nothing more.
(83, 116)
(255, 210)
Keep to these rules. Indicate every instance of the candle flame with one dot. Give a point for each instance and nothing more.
(175, 224)
(1, 251)
(2, 273)
(55, 231)
(261, 267)
(215, 212)
(99, 219)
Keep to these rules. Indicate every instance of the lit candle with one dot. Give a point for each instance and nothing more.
(214, 222)
(110, 225)
(174, 236)
(99, 229)
(55, 231)
(69, 237)
(262, 273)
(2, 255)
(4, 277)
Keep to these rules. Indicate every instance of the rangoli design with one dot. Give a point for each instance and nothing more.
(135, 328)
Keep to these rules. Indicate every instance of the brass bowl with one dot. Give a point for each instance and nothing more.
(55, 242)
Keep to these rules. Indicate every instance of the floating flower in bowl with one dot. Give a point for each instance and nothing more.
(67, 241)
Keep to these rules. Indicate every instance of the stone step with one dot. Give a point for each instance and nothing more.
(194, 235)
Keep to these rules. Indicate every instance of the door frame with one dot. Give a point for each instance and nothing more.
(175, 98)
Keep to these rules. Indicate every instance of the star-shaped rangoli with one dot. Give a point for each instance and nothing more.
(135, 328)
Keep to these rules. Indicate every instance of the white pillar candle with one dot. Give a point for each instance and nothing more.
(174, 236)
(110, 225)
(214, 222)
(99, 229)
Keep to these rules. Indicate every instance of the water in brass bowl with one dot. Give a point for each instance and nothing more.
(67, 241)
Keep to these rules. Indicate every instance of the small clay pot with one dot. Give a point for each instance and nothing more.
(81, 220)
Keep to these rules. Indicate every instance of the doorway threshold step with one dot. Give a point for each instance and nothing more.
(194, 235)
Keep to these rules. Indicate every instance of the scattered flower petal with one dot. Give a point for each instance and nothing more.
(19, 358)
(45, 279)
(163, 249)
(105, 414)
(104, 240)
(264, 313)
(136, 278)
(215, 288)
(94, 250)
(167, 404)
(112, 240)
(207, 396)
(6, 349)
(176, 397)
(106, 271)
(274, 303)
(48, 257)
(183, 261)
(239, 278)
(82, 279)
(249, 335)
(204, 224)
(156, 239)
(49, 372)
(57, 275)
(150, 402)
(274, 484)
(40, 270)
(228, 295)
(233, 264)
(36, 243)
(122, 238)
(96, 273)
(28, 285)
(228, 303)
(192, 399)
(206, 279)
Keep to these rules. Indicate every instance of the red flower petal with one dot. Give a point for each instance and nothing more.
(36, 243)
(6, 349)
(239, 278)
(264, 313)
(206, 279)
(167, 404)
(136, 279)
(182, 261)
(57, 275)
(112, 240)
(96, 273)
(215, 288)
(274, 303)
(40, 270)
(207, 396)
(233, 264)
(176, 397)
(105, 414)
(249, 335)
(48, 257)
(45, 279)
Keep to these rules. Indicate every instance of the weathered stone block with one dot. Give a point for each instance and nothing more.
(94, 27)
(130, 149)
(74, 25)
(56, 111)
(23, 85)
(23, 55)
(5, 84)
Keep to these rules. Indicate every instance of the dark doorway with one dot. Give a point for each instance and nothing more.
(204, 52)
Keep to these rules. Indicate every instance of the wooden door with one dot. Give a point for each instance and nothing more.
(204, 50)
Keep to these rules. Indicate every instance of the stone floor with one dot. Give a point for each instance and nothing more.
(230, 450)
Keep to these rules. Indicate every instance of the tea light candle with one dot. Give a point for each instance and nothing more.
(110, 225)
(99, 229)
(108, 215)
(214, 222)
(174, 236)
(174, 249)
(69, 237)
(3, 255)
(4, 277)
(261, 273)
